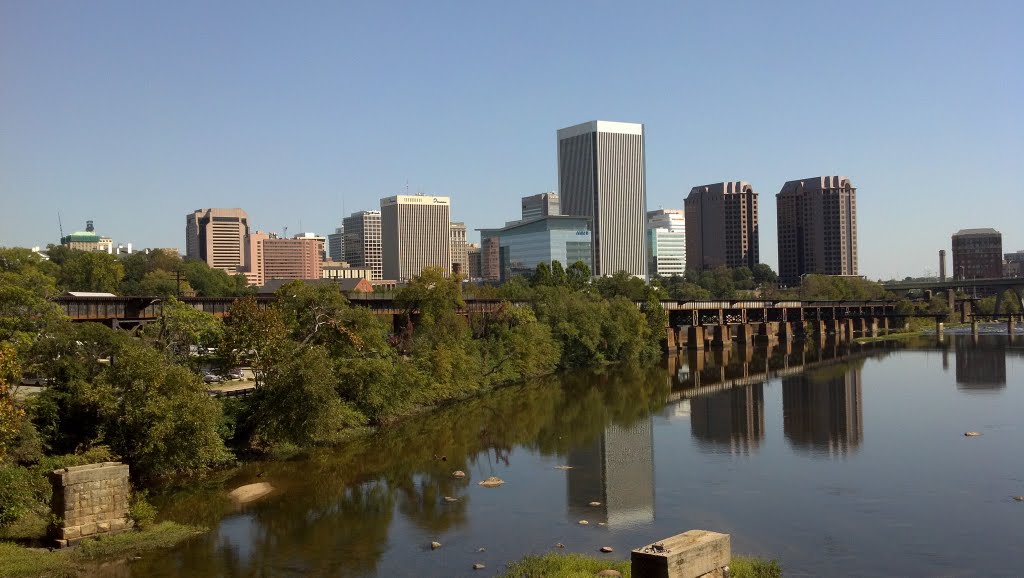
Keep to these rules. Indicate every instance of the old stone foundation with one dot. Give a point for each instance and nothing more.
(90, 500)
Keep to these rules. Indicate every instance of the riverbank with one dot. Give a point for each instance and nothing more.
(18, 561)
(554, 565)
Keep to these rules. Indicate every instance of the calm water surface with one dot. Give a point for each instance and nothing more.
(837, 461)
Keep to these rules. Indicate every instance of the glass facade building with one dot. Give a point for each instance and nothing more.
(522, 245)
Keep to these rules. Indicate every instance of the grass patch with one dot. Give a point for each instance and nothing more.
(20, 562)
(555, 565)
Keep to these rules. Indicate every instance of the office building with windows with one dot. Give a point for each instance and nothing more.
(601, 175)
(336, 244)
(460, 256)
(520, 246)
(977, 254)
(415, 234)
(542, 205)
(217, 236)
(721, 226)
(666, 242)
(817, 228)
(362, 242)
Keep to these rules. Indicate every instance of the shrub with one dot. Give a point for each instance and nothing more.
(16, 493)
(141, 512)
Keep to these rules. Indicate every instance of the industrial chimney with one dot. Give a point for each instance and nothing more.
(942, 264)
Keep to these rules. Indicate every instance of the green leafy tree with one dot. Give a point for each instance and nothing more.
(578, 275)
(10, 414)
(163, 283)
(764, 274)
(158, 415)
(91, 271)
(254, 335)
(210, 282)
(182, 328)
(299, 402)
(558, 275)
(542, 276)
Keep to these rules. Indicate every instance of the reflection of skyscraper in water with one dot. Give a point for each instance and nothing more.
(822, 411)
(979, 369)
(616, 469)
(732, 419)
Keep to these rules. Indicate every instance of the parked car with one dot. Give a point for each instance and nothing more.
(236, 374)
(212, 378)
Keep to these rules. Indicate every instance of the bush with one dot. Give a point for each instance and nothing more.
(16, 493)
(141, 512)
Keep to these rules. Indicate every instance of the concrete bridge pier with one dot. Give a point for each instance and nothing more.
(940, 327)
(974, 327)
(745, 333)
(767, 332)
(785, 332)
(885, 325)
(1009, 325)
(695, 337)
(847, 329)
(670, 339)
(721, 336)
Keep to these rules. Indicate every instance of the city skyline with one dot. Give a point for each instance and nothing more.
(310, 128)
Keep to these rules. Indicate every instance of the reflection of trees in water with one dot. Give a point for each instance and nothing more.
(335, 505)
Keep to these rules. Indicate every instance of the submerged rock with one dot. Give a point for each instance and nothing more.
(435, 545)
(563, 467)
(478, 566)
(458, 474)
(972, 434)
(492, 482)
(559, 545)
(1019, 498)
(607, 549)
(450, 499)
(250, 492)
(583, 522)
(594, 504)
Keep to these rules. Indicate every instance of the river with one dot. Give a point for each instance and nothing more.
(836, 460)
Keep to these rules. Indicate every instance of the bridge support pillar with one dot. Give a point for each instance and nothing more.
(872, 328)
(819, 327)
(974, 327)
(785, 331)
(695, 337)
(670, 339)
(940, 327)
(745, 333)
(767, 333)
(1009, 325)
(847, 329)
(885, 324)
(722, 337)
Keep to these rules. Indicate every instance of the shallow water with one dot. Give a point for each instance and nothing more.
(837, 461)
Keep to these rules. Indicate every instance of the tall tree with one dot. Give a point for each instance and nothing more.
(91, 271)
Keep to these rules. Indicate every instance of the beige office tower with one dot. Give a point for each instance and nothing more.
(217, 236)
(362, 242)
(460, 255)
(415, 234)
(601, 175)
(817, 228)
(721, 226)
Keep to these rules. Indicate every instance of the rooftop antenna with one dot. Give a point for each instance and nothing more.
(285, 235)
(407, 187)
(60, 225)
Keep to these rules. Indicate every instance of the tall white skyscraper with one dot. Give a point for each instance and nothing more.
(415, 234)
(601, 175)
(666, 240)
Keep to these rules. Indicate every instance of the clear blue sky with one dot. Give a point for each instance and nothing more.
(134, 113)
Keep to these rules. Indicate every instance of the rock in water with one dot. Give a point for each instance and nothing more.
(583, 522)
(450, 499)
(607, 549)
(972, 434)
(563, 467)
(435, 545)
(478, 566)
(458, 474)
(1019, 498)
(492, 482)
(594, 504)
(250, 492)
(559, 545)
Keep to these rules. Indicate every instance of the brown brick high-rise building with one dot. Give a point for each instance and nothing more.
(721, 226)
(977, 254)
(217, 236)
(817, 228)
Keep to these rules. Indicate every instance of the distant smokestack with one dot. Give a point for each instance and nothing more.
(942, 264)
(89, 227)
